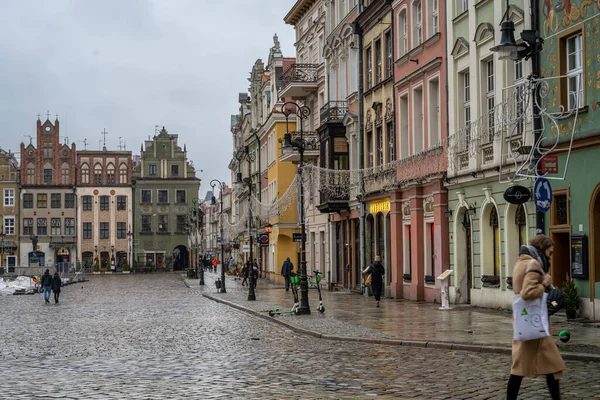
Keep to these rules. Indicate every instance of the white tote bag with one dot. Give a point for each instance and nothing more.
(530, 318)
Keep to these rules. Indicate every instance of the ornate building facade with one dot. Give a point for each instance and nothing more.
(9, 211)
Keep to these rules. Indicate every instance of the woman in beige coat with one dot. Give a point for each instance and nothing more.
(540, 356)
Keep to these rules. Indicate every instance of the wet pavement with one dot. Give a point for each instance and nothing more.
(151, 337)
(353, 315)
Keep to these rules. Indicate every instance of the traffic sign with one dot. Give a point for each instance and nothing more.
(542, 194)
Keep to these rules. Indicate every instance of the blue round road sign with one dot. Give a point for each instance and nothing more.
(542, 194)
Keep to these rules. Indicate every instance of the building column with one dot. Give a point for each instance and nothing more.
(417, 284)
(396, 261)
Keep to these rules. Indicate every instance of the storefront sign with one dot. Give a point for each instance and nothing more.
(517, 195)
(549, 165)
(379, 206)
(263, 239)
(246, 248)
(579, 257)
(62, 252)
(297, 237)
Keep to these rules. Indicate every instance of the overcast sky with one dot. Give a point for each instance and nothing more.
(128, 65)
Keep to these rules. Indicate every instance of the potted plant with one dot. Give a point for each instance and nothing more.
(96, 267)
(125, 268)
(571, 294)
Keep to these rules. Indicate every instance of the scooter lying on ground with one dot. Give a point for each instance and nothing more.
(296, 306)
(321, 308)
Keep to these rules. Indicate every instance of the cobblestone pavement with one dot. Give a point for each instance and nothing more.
(150, 337)
(350, 314)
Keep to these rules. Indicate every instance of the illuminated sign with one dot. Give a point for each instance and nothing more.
(379, 206)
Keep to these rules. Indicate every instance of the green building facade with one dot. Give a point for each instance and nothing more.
(165, 185)
(570, 62)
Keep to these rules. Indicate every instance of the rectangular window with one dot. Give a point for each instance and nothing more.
(404, 36)
(69, 200)
(86, 202)
(370, 149)
(463, 5)
(434, 112)
(27, 226)
(417, 24)
(55, 200)
(152, 169)
(369, 69)
(9, 226)
(42, 200)
(380, 150)
(98, 177)
(146, 223)
(146, 196)
(181, 223)
(574, 72)
(42, 226)
(519, 98)
(121, 230)
(490, 100)
(55, 226)
(9, 197)
(104, 230)
(104, 203)
(163, 223)
(466, 93)
(47, 175)
(389, 54)
(110, 178)
(418, 125)
(174, 170)
(28, 200)
(121, 202)
(180, 196)
(435, 19)
(378, 65)
(391, 136)
(163, 197)
(87, 230)
(69, 226)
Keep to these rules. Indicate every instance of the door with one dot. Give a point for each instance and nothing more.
(467, 226)
(160, 260)
(560, 264)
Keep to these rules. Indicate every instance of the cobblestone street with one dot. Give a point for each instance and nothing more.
(151, 337)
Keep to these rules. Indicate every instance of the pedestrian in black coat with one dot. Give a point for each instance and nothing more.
(56, 284)
(377, 271)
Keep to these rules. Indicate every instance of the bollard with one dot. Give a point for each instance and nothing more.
(218, 283)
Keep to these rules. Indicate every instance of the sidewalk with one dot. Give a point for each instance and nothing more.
(350, 316)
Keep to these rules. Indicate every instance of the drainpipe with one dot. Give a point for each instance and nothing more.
(361, 161)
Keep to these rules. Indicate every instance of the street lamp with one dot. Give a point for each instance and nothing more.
(248, 181)
(289, 144)
(531, 47)
(221, 185)
(130, 242)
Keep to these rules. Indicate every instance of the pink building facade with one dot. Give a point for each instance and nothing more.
(419, 207)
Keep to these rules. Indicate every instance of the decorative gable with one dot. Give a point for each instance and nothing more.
(484, 33)
(460, 48)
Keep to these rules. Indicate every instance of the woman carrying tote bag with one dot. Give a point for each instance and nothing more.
(538, 356)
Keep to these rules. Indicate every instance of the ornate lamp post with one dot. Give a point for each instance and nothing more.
(289, 144)
(130, 242)
(248, 181)
(213, 201)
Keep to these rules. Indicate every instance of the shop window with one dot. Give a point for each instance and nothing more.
(521, 222)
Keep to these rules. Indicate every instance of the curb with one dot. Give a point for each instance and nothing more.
(476, 348)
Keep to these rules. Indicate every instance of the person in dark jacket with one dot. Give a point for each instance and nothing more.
(254, 273)
(56, 284)
(46, 284)
(286, 270)
(377, 271)
(245, 273)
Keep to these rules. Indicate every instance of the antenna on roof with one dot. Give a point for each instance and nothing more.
(30, 138)
(84, 141)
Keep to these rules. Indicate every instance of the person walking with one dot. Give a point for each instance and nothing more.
(286, 270)
(254, 273)
(538, 356)
(245, 273)
(214, 264)
(56, 285)
(46, 284)
(231, 264)
(377, 271)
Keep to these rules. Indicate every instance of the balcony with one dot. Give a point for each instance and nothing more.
(299, 81)
(333, 111)
(380, 179)
(331, 202)
(311, 148)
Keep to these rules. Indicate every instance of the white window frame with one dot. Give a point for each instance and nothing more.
(463, 6)
(574, 72)
(466, 104)
(404, 122)
(435, 18)
(434, 138)
(416, 88)
(417, 20)
(429, 247)
(9, 197)
(9, 225)
(490, 96)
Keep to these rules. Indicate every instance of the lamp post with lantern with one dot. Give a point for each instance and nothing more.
(213, 201)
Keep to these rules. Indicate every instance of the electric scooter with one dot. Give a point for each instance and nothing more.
(296, 306)
(321, 308)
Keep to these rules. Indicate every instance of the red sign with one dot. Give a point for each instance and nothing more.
(549, 165)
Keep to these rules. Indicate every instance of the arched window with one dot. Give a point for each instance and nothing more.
(64, 178)
(98, 174)
(110, 174)
(521, 222)
(85, 173)
(496, 239)
(123, 173)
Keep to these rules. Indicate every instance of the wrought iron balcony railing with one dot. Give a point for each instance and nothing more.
(380, 178)
(298, 73)
(310, 138)
(333, 111)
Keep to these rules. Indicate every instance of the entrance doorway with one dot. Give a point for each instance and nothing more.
(561, 259)
(181, 258)
(464, 282)
(594, 218)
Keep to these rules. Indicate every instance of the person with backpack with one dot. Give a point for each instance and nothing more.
(46, 285)
(286, 270)
(56, 284)
(377, 271)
